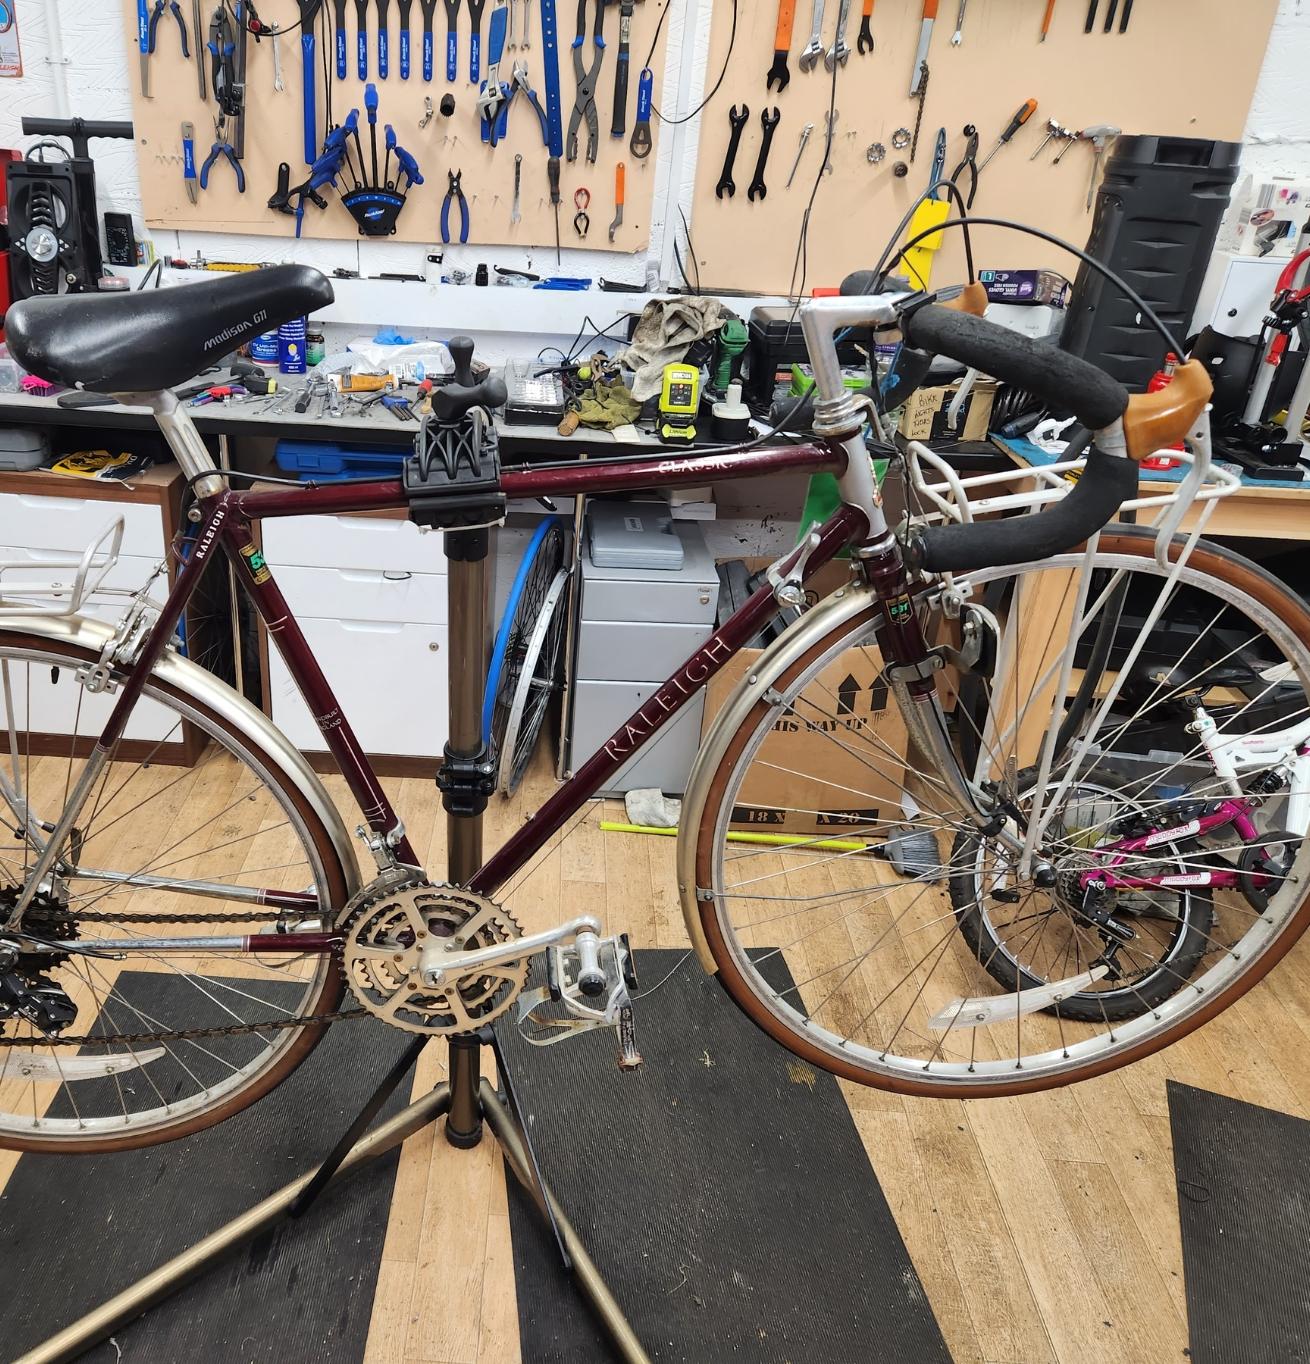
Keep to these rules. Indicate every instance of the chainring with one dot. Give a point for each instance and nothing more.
(384, 935)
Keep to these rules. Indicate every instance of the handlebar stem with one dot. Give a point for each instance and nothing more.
(838, 413)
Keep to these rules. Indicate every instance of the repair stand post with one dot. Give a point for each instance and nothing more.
(467, 1098)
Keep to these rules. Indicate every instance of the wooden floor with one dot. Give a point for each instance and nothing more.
(1043, 1229)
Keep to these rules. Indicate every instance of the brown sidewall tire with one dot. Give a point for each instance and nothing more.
(1232, 571)
(328, 998)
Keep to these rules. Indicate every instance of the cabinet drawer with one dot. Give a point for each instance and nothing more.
(365, 594)
(599, 708)
(688, 595)
(69, 524)
(389, 680)
(635, 652)
(377, 542)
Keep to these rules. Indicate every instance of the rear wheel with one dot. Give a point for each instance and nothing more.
(172, 1040)
(884, 936)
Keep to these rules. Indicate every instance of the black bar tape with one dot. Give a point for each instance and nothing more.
(1063, 381)
(1106, 483)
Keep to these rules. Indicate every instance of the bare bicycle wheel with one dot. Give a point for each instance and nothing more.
(1109, 906)
(103, 1048)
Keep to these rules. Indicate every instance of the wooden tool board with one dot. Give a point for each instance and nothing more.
(1183, 68)
(274, 131)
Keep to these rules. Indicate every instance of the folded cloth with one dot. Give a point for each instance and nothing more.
(651, 808)
(604, 406)
(665, 330)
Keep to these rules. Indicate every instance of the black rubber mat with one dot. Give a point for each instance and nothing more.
(723, 1191)
(1243, 1177)
(84, 1227)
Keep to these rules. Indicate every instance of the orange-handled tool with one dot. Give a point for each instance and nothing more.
(782, 45)
(925, 42)
(1024, 112)
(620, 174)
(865, 43)
(1046, 22)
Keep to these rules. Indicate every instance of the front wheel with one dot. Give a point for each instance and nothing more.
(878, 932)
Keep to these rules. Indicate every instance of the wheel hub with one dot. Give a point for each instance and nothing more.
(393, 940)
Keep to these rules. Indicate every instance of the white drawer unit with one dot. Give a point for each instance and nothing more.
(382, 594)
(376, 542)
(389, 679)
(69, 524)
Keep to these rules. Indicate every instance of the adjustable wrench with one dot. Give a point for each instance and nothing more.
(813, 53)
(839, 52)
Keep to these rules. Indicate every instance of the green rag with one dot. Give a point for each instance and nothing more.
(604, 406)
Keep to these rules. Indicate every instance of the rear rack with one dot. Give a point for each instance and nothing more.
(59, 584)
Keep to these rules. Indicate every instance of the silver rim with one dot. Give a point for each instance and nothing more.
(975, 1056)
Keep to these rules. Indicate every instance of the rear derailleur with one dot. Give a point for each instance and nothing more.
(25, 993)
(590, 980)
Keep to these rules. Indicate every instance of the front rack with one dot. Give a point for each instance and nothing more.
(59, 584)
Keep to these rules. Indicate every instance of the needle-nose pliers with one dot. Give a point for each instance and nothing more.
(970, 164)
(454, 191)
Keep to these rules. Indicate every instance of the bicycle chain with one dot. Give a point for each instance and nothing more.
(181, 1034)
(918, 117)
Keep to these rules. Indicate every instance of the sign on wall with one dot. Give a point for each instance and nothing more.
(11, 55)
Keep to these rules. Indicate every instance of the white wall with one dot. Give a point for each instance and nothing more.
(95, 77)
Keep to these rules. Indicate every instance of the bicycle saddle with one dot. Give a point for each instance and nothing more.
(141, 342)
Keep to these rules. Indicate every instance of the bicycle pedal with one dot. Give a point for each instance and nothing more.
(588, 981)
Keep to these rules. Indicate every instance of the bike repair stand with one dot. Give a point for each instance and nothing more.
(465, 1099)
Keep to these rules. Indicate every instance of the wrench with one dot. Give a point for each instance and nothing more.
(958, 36)
(738, 121)
(525, 41)
(800, 151)
(839, 52)
(277, 66)
(515, 216)
(510, 42)
(813, 52)
(769, 122)
(831, 121)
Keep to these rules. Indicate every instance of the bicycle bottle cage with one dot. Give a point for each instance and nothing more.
(452, 480)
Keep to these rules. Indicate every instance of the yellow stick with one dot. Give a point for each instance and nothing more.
(738, 836)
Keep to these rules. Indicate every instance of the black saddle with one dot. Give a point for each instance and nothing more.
(142, 342)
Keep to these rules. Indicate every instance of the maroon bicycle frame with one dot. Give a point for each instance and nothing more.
(227, 519)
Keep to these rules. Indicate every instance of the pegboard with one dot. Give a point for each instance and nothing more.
(1183, 68)
(274, 130)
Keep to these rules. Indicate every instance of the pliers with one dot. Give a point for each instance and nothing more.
(584, 105)
(454, 192)
(222, 147)
(969, 163)
(181, 25)
(521, 82)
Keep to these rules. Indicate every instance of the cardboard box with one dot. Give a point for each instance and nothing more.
(924, 415)
(842, 781)
(1026, 286)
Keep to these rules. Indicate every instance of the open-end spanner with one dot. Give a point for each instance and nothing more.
(839, 51)
(778, 72)
(864, 44)
(738, 119)
(831, 120)
(813, 53)
(769, 120)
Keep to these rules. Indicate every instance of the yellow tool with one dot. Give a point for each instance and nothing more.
(742, 836)
(679, 402)
(366, 383)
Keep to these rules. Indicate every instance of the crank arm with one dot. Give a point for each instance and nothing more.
(437, 965)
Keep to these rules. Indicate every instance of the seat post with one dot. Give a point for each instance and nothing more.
(186, 443)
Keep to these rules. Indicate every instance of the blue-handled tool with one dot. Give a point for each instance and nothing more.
(404, 7)
(143, 42)
(475, 40)
(455, 192)
(309, 11)
(452, 39)
(189, 161)
(429, 8)
(323, 174)
(384, 40)
(391, 147)
(493, 101)
(222, 147)
(339, 36)
(371, 104)
(361, 39)
(641, 143)
(554, 113)
(407, 167)
(938, 172)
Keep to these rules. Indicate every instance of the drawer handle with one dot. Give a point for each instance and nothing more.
(396, 575)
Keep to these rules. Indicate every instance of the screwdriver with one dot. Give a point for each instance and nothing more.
(552, 171)
(1025, 111)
